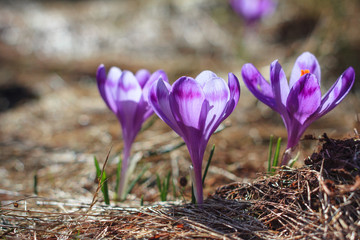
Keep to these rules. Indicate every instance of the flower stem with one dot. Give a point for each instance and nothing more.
(124, 168)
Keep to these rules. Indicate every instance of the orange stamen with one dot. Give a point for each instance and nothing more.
(303, 72)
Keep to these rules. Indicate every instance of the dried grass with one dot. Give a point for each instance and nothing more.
(305, 203)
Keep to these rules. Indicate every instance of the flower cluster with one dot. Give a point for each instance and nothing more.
(195, 107)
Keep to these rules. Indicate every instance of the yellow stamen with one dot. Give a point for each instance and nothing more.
(303, 72)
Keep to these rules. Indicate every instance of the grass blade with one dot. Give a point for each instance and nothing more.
(132, 184)
(208, 163)
(36, 184)
(101, 175)
(118, 175)
(166, 186)
(193, 199)
(276, 155)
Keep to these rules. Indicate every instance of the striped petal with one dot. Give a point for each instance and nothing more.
(258, 86)
(338, 91)
(107, 85)
(217, 95)
(234, 87)
(204, 76)
(305, 61)
(142, 77)
(280, 86)
(159, 100)
(128, 96)
(304, 98)
(186, 100)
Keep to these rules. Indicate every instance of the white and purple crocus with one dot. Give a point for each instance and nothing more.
(299, 102)
(253, 10)
(194, 108)
(126, 96)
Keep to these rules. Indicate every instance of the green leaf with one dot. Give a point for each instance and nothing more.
(132, 184)
(193, 199)
(276, 155)
(118, 175)
(101, 176)
(208, 163)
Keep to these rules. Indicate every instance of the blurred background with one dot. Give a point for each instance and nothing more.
(53, 120)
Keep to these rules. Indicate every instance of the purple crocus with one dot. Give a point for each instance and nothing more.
(253, 10)
(194, 108)
(126, 95)
(299, 102)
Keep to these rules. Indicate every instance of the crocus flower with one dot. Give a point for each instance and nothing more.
(299, 102)
(253, 10)
(125, 94)
(194, 108)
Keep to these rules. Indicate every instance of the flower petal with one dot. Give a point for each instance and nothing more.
(128, 88)
(257, 85)
(304, 98)
(107, 85)
(234, 87)
(217, 95)
(186, 100)
(159, 100)
(253, 10)
(204, 76)
(280, 86)
(338, 91)
(159, 74)
(128, 96)
(142, 76)
(305, 61)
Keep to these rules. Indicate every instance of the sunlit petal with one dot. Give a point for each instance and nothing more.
(257, 85)
(304, 98)
(338, 91)
(280, 86)
(305, 61)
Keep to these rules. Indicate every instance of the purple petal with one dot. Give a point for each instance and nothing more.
(234, 87)
(279, 86)
(186, 100)
(305, 61)
(159, 100)
(304, 98)
(128, 96)
(258, 86)
(338, 91)
(128, 88)
(217, 95)
(204, 76)
(107, 85)
(159, 74)
(142, 76)
(253, 10)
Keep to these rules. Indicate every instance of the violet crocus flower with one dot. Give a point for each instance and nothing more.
(299, 102)
(194, 108)
(253, 10)
(125, 94)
